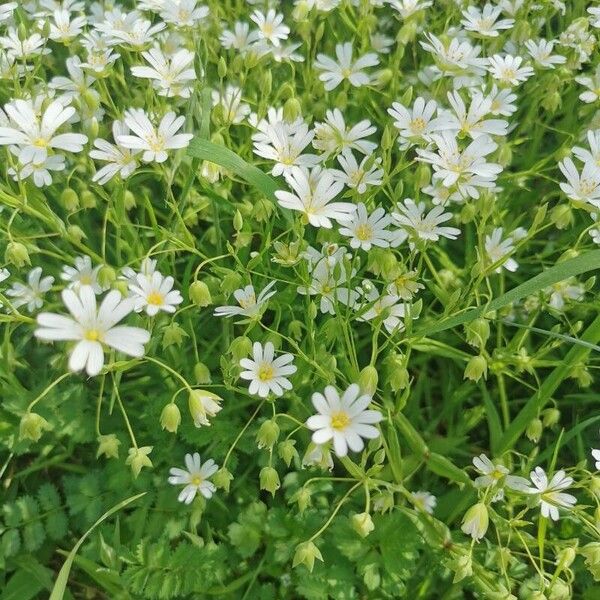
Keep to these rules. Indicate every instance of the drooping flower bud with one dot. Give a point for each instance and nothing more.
(269, 480)
(362, 524)
(170, 417)
(32, 426)
(476, 520)
(305, 554)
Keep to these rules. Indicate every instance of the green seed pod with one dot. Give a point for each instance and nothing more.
(222, 479)
(32, 426)
(267, 435)
(238, 221)
(69, 199)
(200, 294)
(292, 109)
(269, 480)
(240, 347)
(305, 554)
(201, 374)
(534, 430)
(476, 368)
(477, 332)
(106, 276)
(170, 417)
(108, 445)
(74, 232)
(87, 199)
(173, 335)
(286, 451)
(17, 254)
(362, 524)
(222, 68)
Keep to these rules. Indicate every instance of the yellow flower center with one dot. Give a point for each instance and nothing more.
(155, 298)
(265, 372)
(85, 280)
(250, 301)
(340, 420)
(40, 142)
(417, 125)
(92, 335)
(196, 480)
(496, 474)
(346, 73)
(364, 232)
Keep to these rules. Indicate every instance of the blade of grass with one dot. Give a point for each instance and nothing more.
(60, 585)
(558, 272)
(550, 384)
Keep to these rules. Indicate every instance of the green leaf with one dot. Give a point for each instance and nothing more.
(560, 271)
(60, 586)
(205, 150)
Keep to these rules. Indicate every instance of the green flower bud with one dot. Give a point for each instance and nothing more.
(87, 199)
(550, 417)
(534, 430)
(75, 233)
(388, 137)
(138, 458)
(262, 210)
(477, 332)
(108, 445)
(565, 557)
(91, 127)
(305, 554)
(201, 374)
(267, 434)
(362, 524)
(128, 200)
(468, 212)
(552, 101)
(32, 426)
(367, 380)
(222, 68)
(238, 221)
(287, 452)
(591, 553)
(383, 77)
(422, 175)
(173, 335)
(203, 404)
(595, 485)
(476, 520)
(562, 216)
(170, 418)
(295, 329)
(200, 294)
(505, 155)
(383, 501)
(269, 480)
(240, 347)
(122, 287)
(17, 254)
(292, 109)
(69, 199)
(476, 368)
(106, 276)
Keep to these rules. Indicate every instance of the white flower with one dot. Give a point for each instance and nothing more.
(485, 22)
(241, 38)
(154, 142)
(195, 479)
(332, 136)
(35, 136)
(367, 230)
(457, 56)
(413, 219)
(172, 75)
(249, 304)
(508, 70)
(405, 285)
(271, 26)
(183, 13)
(345, 68)
(584, 187)
(93, 328)
(424, 501)
(83, 274)
(386, 305)
(355, 176)
(593, 154)
(120, 160)
(313, 197)
(203, 404)
(318, 455)
(25, 48)
(30, 294)
(497, 249)
(39, 171)
(147, 268)
(345, 420)
(541, 52)
(63, 28)
(466, 168)
(563, 291)
(496, 474)
(594, 12)
(266, 373)
(230, 101)
(476, 520)
(283, 143)
(77, 83)
(414, 124)
(593, 84)
(155, 293)
(142, 32)
(551, 494)
(596, 456)
(502, 101)
(471, 122)
(6, 10)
